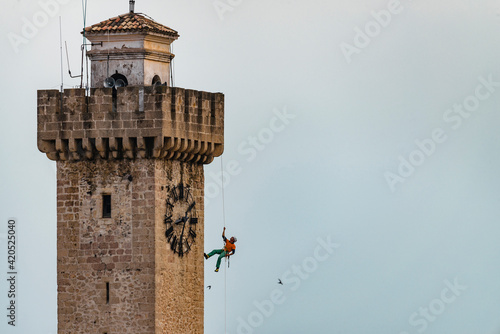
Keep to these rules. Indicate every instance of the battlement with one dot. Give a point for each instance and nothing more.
(131, 122)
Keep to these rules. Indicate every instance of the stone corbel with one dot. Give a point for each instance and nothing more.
(158, 146)
(87, 148)
(141, 147)
(128, 148)
(114, 147)
(73, 149)
(62, 149)
(100, 145)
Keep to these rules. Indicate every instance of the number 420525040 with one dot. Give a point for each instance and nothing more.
(11, 244)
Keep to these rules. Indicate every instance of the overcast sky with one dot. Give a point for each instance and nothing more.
(362, 138)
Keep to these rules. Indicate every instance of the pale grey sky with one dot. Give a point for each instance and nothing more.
(364, 144)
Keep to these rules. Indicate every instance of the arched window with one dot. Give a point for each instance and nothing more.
(156, 80)
(123, 80)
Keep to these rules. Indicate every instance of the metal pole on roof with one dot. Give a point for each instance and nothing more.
(131, 5)
(60, 43)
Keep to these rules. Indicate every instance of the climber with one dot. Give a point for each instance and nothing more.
(227, 251)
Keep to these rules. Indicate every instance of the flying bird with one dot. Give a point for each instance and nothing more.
(280, 282)
(209, 287)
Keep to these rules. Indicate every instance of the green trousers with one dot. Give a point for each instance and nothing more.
(221, 256)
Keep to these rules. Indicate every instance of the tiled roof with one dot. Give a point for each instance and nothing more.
(130, 22)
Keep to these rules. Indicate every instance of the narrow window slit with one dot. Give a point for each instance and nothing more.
(106, 206)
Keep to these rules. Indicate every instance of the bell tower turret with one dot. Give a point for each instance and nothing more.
(131, 47)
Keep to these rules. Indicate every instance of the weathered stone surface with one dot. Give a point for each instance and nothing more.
(168, 123)
(151, 289)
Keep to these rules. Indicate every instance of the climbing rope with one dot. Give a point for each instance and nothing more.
(222, 188)
(225, 258)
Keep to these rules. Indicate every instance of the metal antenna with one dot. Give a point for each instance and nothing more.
(84, 47)
(62, 76)
(61, 47)
(69, 68)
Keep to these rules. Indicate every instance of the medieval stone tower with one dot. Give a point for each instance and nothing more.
(130, 154)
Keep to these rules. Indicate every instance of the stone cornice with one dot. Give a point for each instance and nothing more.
(135, 122)
(129, 53)
(129, 36)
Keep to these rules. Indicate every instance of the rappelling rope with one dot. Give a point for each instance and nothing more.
(225, 258)
(222, 188)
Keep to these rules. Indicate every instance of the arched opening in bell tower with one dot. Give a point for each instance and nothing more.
(117, 76)
(156, 80)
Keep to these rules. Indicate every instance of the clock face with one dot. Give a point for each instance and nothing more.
(180, 219)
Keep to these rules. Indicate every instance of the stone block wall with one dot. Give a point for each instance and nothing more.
(179, 280)
(131, 122)
(118, 274)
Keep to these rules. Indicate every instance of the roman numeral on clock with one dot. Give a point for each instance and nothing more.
(181, 191)
(192, 233)
(168, 233)
(181, 247)
(173, 244)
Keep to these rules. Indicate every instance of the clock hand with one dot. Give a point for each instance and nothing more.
(185, 218)
(182, 233)
(190, 207)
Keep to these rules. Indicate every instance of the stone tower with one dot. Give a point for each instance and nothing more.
(130, 186)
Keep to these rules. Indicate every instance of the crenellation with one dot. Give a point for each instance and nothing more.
(192, 122)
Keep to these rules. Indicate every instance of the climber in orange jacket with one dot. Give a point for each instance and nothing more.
(228, 250)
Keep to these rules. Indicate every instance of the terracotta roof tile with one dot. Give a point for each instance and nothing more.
(128, 23)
